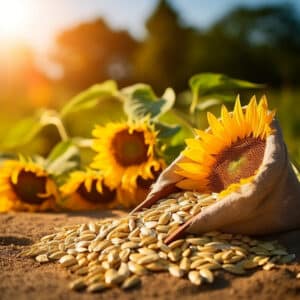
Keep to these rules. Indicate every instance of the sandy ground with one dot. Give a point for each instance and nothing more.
(23, 278)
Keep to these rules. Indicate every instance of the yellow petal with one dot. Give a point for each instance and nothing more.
(88, 183)
(215, 126)
(188, 184)
(239, 118)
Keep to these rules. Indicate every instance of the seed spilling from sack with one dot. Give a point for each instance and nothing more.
(117, 252)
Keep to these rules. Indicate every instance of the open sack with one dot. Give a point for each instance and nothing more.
(243, 159)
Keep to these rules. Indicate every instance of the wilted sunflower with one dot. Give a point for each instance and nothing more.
(86, 190)
(125, 152)
(26, 186)
(230, 152)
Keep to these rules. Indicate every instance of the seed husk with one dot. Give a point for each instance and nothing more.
(112, 276)
(97, 287)
(77, 285)
(175, 271)
(42, 258)
(268, 266)
(195, 277)
(137, 269)
(67, 260)
(207, 275)
(131, 282)
(234, 269)
(114, 252)
(146, 259)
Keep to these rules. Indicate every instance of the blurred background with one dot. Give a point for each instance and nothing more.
(52, 49)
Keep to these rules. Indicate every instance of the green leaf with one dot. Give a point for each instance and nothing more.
(207, 103)
(211, 83)
(63, 158)
(89, 98)
(140, 101)
(165, 130)
(22, 133)
(171, 152)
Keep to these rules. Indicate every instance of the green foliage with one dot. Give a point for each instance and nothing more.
(219, 85)
(90, 97)
(171, 152)
(166, 131)
(64, 158)
(140, 101)
(22, 132)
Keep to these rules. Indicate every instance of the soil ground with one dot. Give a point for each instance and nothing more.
(23, 278)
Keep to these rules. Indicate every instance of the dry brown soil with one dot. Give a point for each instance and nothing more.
(23, 278)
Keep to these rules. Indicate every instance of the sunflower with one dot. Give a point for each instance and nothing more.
(125, 152)
(26, 186)
(130, 198)
(86, 190)
(230, 152)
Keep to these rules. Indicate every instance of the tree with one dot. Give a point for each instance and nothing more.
(92, 52)
(160, 60)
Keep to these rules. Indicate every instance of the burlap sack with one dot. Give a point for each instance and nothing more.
(268, 204)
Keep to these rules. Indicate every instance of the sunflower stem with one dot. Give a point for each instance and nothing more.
(190, 125)
(52, 118)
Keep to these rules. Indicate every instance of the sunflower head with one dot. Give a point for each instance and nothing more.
(26, 186)
(125, 152)
(230, 152)
(130, 198)
(86, 190)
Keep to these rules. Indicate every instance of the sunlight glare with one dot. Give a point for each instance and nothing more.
(13, 18)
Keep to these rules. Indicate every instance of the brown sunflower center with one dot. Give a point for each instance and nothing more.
(94, 196)
(146, 183)
(130, 148)
(240, 160)
(29, 186)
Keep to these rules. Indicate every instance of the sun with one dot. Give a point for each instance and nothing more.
(13, 18)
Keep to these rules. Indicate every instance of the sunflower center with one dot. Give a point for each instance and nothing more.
(29, 186)
(130, 148)
(146, 183)
(240, 160)
(94, 196)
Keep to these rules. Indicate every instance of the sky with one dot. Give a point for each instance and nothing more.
(37, 22)
(45, 18)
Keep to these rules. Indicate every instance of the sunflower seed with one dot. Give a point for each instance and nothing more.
(195, 277)
(207, 275)
(56, 255)
(268, 266)
(234, 269)
(113, 277)
(67, 260)
(131, 282)
(136, 269)
(130, 245)
(164, 218)
(148, 259)
(97, 287)
(175, 271)
(42, 258)
(77, 284)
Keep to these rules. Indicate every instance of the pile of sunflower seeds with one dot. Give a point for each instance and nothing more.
(118, 252)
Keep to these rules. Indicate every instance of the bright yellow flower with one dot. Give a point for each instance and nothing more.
(86, 190)
(26, 186)
(125, 152)
(230, 152)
